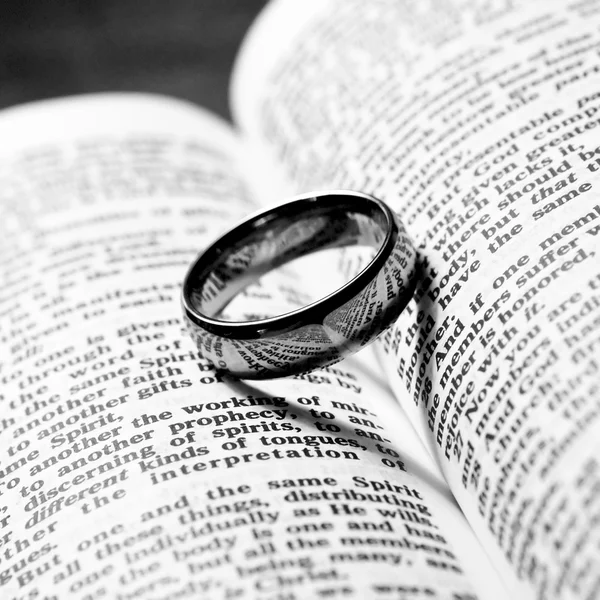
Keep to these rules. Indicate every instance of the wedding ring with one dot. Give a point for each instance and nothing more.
(323, 332)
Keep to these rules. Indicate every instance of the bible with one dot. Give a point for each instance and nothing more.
(456, 458)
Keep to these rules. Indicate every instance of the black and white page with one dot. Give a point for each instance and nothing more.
(477, 122)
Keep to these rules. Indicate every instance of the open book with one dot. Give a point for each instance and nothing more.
(457, 460)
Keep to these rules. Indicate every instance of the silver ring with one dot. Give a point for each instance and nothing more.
(321, 333)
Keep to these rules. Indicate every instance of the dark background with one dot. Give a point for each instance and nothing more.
(182, 48)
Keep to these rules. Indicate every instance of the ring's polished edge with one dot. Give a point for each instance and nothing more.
(320, 333)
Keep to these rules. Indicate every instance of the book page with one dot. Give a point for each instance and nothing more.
(129, 467)
(477, 122)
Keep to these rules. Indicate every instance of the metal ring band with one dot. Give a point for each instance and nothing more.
(323, 332)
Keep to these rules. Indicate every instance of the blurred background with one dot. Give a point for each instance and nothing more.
(183, 48)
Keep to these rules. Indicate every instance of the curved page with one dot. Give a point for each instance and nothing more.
(477, 122)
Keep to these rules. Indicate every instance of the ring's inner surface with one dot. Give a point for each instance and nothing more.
(259, 246)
